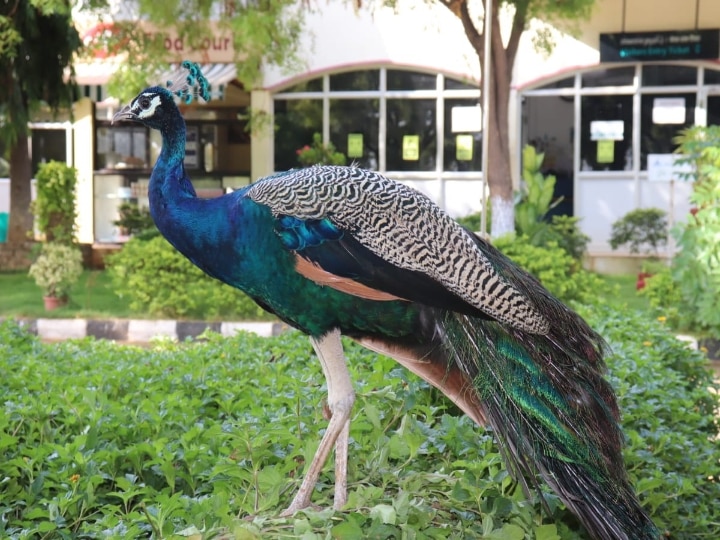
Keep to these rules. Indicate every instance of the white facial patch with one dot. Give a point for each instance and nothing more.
(146, 104)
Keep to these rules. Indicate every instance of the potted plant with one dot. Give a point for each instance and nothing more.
(319, 153)
(55, 271)
(641, 230)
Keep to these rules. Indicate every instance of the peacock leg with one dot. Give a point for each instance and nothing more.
(341, 397)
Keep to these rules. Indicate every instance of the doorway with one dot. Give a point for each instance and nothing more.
(547, 124)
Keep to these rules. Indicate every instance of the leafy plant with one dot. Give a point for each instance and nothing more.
(54, 205)
(535, 198)
(175, 440)
(696, 266)
(565, 230)
(664, 297)
(158, 280)
(556, 269)
(134, 219)
(319, 153)
(57, 268)
(640, 229)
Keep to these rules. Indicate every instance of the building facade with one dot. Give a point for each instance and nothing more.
(398, 91)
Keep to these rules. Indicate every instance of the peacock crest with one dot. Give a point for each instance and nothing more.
(189, 83)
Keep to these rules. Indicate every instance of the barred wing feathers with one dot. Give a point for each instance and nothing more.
(357, 224)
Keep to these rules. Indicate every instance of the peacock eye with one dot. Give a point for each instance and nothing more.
(144, 102)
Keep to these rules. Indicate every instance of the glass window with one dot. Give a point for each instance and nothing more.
(355, 80)
(411, 135)
(47, 145)
(606, 125)
(454, 84)
(296, 122)
(622, 76)
(713, 110)
(121, 147)
(313, 85)
(462, 147)
(567, 82)
(712, 76)
(410, 80)
(668, 75)
(354, 125)
(662, 116)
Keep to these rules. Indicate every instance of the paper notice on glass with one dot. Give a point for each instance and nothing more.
(464, 147)
(607, 129)
(668, 110)
(466, 119)
(355, 145)
(411, 147)
(605, 151)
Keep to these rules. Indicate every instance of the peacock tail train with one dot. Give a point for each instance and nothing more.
(552, 411)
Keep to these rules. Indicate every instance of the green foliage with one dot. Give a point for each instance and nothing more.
(535, 199)
(157, 280)
(259, 33)
(669, 400)
(556, 269)
(565, 230)
(696, 267)
(54, 206)
(136, 220)
(319, 153)
(101, 440)
(57, 268)
(640, 228)
(44, 32)
(664, 297)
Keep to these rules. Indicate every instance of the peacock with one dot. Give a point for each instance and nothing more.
(337, 251)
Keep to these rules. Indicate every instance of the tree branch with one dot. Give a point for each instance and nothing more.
(518, 27)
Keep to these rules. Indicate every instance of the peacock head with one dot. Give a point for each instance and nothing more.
(156, 106)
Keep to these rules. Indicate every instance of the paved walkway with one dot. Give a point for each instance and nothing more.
(140, 331)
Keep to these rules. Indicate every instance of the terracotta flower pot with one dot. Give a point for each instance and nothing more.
(54, 302)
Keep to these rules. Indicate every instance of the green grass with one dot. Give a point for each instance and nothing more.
(91, 297)
(623, 294)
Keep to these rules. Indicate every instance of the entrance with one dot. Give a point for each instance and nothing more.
(547, 124)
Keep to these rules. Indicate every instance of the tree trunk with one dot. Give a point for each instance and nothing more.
(21, 219)
(499, 176)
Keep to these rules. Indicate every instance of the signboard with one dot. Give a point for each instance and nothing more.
(665, 167)
(671, 45)
(668, 110)
(411, 147)
(464, 119)
(355, 145)
(603, 130)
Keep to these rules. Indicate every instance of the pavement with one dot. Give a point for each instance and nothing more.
(140, 330)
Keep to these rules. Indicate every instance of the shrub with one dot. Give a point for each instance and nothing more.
(54, 205)
(158, 280)
(696, 267)
(135, 220)
(557, 270)
(56, 269)
(535, 198)
(641, 228)
(664, 297)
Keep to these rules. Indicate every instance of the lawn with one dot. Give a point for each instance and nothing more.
(93, 297)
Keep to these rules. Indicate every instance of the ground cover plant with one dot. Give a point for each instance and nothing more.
(207, 440)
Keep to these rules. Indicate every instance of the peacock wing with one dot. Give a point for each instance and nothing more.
(374, 237)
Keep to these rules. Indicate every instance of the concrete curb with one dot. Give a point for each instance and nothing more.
(139, 330)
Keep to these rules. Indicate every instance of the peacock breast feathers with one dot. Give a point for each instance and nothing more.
(400, 226)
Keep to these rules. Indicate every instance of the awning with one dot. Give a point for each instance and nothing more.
(97, 73)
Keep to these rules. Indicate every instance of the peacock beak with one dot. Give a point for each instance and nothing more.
(124, 114)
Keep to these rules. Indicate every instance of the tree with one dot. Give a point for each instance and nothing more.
(262, 32)
(503, 50)
(37, 42)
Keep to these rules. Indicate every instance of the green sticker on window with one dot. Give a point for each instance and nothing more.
(355, 145)
(464, 147)
(411, 147)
